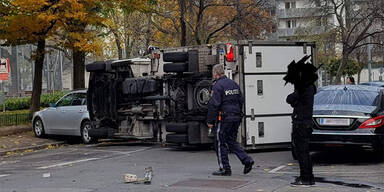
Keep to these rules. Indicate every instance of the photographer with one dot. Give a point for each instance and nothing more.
(303, 77)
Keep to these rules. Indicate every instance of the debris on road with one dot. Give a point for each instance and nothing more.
(46, 175)
(130, 178)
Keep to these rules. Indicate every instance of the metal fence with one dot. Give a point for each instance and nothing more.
(14, 119)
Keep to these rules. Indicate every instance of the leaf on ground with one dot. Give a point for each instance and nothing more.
(290, 164)
(3, 137)
(4, 146)
(8, 154)
(28, 151)
(266, 170)
(20, 136)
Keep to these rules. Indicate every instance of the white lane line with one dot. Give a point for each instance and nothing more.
(277, 169)
(5, 175)
(68, 163)
(122, 152)
(8, 162)
(335, 172)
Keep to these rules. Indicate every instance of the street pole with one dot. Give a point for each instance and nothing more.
(61, 69)
(2, 82)
(369, 59)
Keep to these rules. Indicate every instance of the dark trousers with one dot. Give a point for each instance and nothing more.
(300, 138)
(226, 141)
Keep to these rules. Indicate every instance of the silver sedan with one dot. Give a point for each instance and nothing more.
(68, 116)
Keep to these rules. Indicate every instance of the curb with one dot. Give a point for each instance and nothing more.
(37, 147)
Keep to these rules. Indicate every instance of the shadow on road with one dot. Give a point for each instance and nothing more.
(349, 156)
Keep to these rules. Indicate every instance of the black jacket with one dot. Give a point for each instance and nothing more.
(227, 99)
(302, 102)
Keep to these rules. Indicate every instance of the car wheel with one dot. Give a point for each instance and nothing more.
(38, 128)
(85, 133)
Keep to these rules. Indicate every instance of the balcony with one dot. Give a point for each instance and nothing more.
(298, 13)
(289, 32)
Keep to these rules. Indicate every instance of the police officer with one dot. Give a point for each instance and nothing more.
(224, 109)
(303, 77)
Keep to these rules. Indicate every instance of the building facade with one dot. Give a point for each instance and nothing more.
(300, 17)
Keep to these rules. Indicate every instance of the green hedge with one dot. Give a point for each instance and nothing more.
(20, 103)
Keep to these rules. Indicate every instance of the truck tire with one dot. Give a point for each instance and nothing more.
(175, 67)
(202, 94)
(96, 66)
(177, 127)
(177, 138)
(175, 57)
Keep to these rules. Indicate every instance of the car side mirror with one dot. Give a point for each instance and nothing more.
(52, 105)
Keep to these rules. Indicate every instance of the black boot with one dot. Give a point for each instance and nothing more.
(248, 167)
(301, 182)
(222, 172)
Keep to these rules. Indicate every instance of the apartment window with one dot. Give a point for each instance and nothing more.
(290, 5)
(322, 21)
(291, 24)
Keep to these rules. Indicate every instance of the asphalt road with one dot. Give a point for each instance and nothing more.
(78, 168)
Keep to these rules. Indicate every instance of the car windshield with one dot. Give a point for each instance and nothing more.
(346, 97)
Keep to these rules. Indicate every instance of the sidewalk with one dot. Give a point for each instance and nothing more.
(24, 142)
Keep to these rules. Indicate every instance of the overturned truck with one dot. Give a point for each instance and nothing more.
(169, 102)
(175, 100)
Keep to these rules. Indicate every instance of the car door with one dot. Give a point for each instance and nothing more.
(54, 116)
(63, 116)
(75, 113)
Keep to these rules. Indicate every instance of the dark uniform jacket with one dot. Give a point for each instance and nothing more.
(227, 99)
(302, 102)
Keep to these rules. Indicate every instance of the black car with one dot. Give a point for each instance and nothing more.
(349, 115)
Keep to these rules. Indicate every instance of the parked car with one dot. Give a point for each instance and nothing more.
(68, 116)
(349, 115)
(374, 83)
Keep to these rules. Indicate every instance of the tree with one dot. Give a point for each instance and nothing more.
(356, 22)
(126, 24)
(30, 22)
(209, 21)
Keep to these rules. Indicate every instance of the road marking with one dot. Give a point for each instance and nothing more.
(124, 153)
(8, 162)
(277, 169)
(68, 163)
(5, 175)
(334, 172)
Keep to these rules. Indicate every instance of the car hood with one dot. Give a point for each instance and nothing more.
(343, 109)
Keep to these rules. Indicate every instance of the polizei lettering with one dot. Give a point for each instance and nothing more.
(232, 92)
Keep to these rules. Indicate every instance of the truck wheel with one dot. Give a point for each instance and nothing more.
(202, 94)
(177, 127)
(175, 57)
(177, 138)
(96, 66)
(175, 67)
